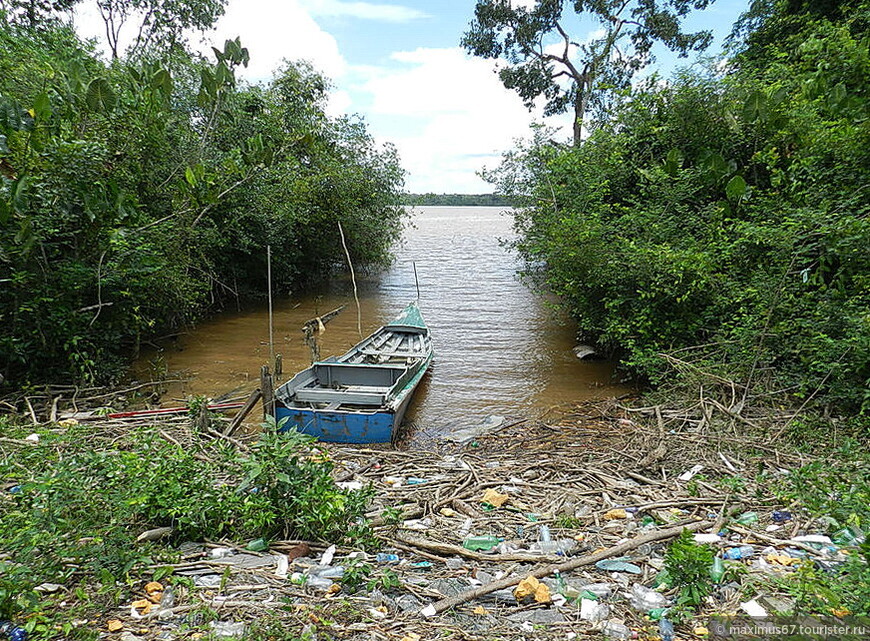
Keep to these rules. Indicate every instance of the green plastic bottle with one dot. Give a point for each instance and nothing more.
(481, 543)
(717, 570)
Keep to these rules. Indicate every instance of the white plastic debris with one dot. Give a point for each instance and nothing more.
(753, 609)
(350, 485)
(33, 438)
(593, 611)
(282, 566)
(688, 474)
(705, 537)
(328, 555)
(428, 611)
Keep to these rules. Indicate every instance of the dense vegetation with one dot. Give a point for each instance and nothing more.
(138, 194)
(457, 200)
(79, 498)
(723, 215)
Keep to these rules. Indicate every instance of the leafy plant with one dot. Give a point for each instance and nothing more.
(688, 566)
(385, 580)
(356, 574)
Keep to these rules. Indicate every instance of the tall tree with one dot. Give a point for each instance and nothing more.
(543, 59)
(156, 21)
(34, 13)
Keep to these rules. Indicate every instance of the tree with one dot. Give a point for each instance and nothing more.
(159, 21)
(34, 13)
(543, 59)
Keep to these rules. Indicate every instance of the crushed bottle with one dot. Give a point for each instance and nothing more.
(666, 630)
(481, 543)
(743, 552)
(12, 632)
(644, 599)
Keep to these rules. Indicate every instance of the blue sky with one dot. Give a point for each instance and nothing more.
(399, 66)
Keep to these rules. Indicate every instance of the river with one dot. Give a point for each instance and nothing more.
(499, 348)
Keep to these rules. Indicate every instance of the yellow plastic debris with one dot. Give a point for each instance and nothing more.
(530, 586)
(700, 631)
(411, 636)
(480, 610)
(615, 514)
(142, 606)
(334, 588)
(494, 498)
(781, 559)
(154, 591)
(446, 511)
(840, 612)
(115, 625)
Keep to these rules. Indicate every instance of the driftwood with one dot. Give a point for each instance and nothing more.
(238, 418)
(567, 566)
(458, 550)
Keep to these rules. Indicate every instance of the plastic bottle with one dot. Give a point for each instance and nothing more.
(12, 632)
(717, 570)
(478, 543)
(747, 518)
(616, 630)
(666, 630)
(643, 599)
(743, 552)
(383, 557)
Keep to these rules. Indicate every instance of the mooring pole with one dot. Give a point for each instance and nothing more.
(416, 282)
(269, 281)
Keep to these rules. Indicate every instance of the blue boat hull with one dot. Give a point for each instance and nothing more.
(360, 397)
(338, 427)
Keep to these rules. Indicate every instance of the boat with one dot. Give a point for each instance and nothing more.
(361, 396)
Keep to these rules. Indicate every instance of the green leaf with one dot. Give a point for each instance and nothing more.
(42, 106)
(162, 81)
(755, 107)
(736, 188)
(100, 96)
(190, 177)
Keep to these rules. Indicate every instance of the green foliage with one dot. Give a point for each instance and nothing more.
(597, 70)
(138, 196)
(723, 211)
(357, 573)
(79, 506)
(847, 587)
(457, 200)
(837, 491)
(688, 566)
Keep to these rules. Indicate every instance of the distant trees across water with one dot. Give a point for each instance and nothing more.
(458, 200)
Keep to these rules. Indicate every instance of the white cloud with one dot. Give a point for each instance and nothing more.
(288, 32)
(274, 31)
(464, 116)
(362, 10)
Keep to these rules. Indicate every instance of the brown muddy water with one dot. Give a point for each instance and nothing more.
(499, 348)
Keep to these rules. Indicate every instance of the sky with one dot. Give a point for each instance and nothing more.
(399, 66)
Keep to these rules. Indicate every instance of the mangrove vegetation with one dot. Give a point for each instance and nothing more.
(138, 194)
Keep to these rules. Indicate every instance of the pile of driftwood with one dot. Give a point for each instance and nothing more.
(606, 485)
(551, 499)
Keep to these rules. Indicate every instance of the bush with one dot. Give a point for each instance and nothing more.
(79, 504)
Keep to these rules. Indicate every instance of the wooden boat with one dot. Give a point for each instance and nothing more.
(361, 396)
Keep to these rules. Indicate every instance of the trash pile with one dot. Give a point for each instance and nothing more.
(558, 529)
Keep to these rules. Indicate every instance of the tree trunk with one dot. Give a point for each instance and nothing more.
(579, 104)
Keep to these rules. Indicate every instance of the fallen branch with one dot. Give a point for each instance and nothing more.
(457, 550)
(567, 566)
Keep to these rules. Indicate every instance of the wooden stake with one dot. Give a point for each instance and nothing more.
(267, 391)
(269, 280)
(238, 418)
(353, 280)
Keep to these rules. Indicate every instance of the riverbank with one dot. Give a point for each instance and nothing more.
(610, 482)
